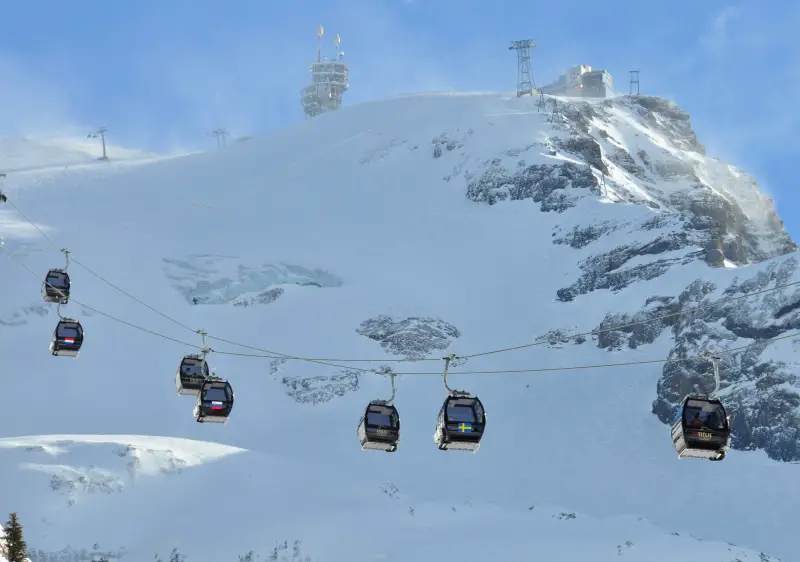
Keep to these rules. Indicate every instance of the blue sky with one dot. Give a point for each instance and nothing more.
(161, 73)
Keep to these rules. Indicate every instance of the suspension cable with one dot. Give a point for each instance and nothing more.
(95, 310)
(447, 359)
(328, 361)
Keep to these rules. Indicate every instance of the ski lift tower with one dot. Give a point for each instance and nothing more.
(525, 83)
(329, 81)
(101, 132)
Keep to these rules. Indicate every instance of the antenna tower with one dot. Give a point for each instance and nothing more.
(525, 83)
(634, 80)
(320, 32)
(330, 79)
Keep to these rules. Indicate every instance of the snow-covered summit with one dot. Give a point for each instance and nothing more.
(407, 229)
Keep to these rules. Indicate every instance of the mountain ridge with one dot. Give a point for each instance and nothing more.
(363, 219)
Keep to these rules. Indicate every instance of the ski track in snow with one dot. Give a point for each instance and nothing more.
(342, 194)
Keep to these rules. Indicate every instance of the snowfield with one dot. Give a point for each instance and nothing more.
(408, 228)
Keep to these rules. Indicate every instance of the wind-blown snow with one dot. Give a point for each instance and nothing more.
(373, 198)
(35, 153)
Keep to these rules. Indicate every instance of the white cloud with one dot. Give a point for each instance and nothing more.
(34, 99)
(716, 40)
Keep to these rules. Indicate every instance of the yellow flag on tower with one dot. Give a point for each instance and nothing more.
(320, 31)
(338, 39)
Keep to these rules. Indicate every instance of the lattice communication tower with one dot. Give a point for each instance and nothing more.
(329, 80)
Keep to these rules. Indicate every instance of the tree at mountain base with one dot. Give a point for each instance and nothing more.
(13, 546)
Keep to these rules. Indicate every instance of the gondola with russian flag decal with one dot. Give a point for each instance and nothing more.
(214, 402)
(67, 338)
(461, 421)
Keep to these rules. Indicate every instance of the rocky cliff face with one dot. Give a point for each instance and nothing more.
(642, 150)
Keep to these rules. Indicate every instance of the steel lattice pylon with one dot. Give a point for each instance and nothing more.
(525, 83)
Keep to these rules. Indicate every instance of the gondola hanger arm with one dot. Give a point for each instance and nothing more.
(714, 359)
(66, 253)
(450, 391)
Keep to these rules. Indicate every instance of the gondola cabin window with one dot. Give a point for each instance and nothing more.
(704, 415)
(215, 395)
(460, 413)
(68, 333)
(191, 369)
(379, 419)
(57, 280)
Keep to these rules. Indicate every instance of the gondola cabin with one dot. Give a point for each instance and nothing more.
(56, 286)
(67, 338)
(461, 423)
(191, 374)
(214, 401)
(379, 428)
(702, 429)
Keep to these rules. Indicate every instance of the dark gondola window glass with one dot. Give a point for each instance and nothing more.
(68, 332)
(711, 421)
(215, 395)
(693, 417)
(379, 419)
(714, 419)
(460, 414)
(58, 281)
(191, 369)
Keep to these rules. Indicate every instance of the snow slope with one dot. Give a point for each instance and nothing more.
(387, 230)
(390, 525)
(33, 153)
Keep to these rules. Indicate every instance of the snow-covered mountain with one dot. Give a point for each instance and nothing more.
(407, 229)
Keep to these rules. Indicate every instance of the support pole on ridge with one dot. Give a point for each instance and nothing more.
(634, 80)
(525, 83)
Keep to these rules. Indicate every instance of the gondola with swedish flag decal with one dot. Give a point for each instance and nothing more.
(462, 419)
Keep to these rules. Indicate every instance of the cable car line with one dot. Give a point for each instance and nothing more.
(795, 334)
(100, 277)
(374, 371)
(169, 338)
(702, 429)
(325, 361)
(100, 312)
(641, 322)
(277, 355)
(269, 354)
